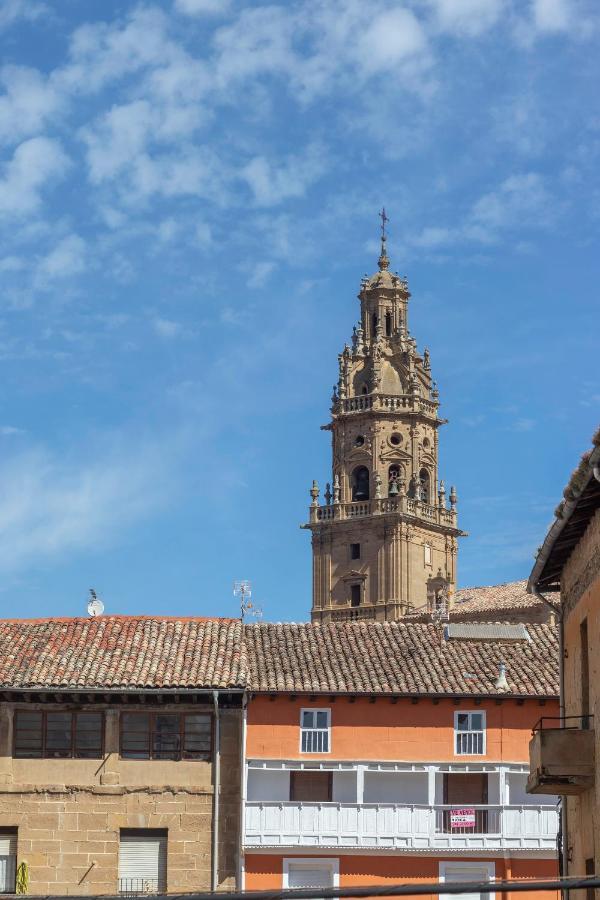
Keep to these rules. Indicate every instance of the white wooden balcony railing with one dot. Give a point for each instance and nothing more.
(392, 825)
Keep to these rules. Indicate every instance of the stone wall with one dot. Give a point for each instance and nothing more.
(68, 826)
(580, 593)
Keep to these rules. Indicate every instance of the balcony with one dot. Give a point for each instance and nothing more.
(384, 506)
(387, 403)
(561, 756)
(400, 826)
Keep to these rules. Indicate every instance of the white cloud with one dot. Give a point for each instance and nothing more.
(117, 139)
(166, 328)
(433, 237)
(467, 17)
(104, 52)
(519, 200)
(523, 424)
(12, 264)
(273, 182)
(13, 10)
(389, 39)
(128, 146)
(204, 236)
(260, 274)
(35, 163)
(551, 15)
(202, 7)
(10, 430)
(52, 505)
(66, 259)
(28, 101)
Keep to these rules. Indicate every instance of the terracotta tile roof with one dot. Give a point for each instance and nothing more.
(154, 653)
(114, 652)
(395, 658)
(493, 600)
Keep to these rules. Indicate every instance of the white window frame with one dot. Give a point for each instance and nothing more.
(316, 709)
(312, 862)
(462, 712)
(446, 867)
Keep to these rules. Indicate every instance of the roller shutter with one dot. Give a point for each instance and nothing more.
(143, 861)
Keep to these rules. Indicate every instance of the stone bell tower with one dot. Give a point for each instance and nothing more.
(385, 542)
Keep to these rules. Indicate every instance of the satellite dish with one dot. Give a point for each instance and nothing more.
(95, 606)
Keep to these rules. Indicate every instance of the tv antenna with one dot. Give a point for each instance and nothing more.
(243, 590)
(95, 605)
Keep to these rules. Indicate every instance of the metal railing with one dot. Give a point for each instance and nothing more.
(315, 740)
(133, 887)
(577, 723)
(469, 743)
(468, 819)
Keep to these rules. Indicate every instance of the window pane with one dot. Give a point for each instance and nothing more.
(197, 737)
(165, 740)
(88, 735)
(28, 734)
(135, 735)
(476, 721)
(58, 734)
(321, 719)
(462, 722)
(307, 718)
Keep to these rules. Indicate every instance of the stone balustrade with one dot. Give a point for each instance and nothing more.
(386, 403)
(404, 505)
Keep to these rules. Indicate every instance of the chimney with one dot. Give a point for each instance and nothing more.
(501, 684)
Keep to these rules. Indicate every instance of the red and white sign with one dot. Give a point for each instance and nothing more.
(462, 818)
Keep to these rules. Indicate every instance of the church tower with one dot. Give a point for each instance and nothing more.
(384, 542)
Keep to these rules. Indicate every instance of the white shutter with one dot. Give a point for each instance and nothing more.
(467, 873)
(8, 861)
(143, 862)
(305, 877)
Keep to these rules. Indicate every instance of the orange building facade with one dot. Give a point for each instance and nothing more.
(349, 788)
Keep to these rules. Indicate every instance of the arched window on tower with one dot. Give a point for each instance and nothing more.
(375, 321)
(360, 483)
(425, 486)
(388, 324)
(394, 474)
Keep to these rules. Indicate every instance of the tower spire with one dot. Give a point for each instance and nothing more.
(383, 258)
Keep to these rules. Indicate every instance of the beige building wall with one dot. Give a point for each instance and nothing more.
(396, 560)
(68, 812)
(580, 595)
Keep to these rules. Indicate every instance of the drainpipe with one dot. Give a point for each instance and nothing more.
(558, 611)
(214, 875)
(241, 875)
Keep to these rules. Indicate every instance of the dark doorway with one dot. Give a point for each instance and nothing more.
(311, 787)
(465, 791)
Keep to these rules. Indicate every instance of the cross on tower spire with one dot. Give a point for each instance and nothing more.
(383, 258)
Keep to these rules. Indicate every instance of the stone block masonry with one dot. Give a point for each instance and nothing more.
(68, 830)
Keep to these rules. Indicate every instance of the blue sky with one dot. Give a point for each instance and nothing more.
(188, 200)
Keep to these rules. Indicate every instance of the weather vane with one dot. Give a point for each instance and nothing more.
(243, 590)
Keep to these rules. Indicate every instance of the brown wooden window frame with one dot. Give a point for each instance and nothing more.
(181, 753)
(71, 752)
